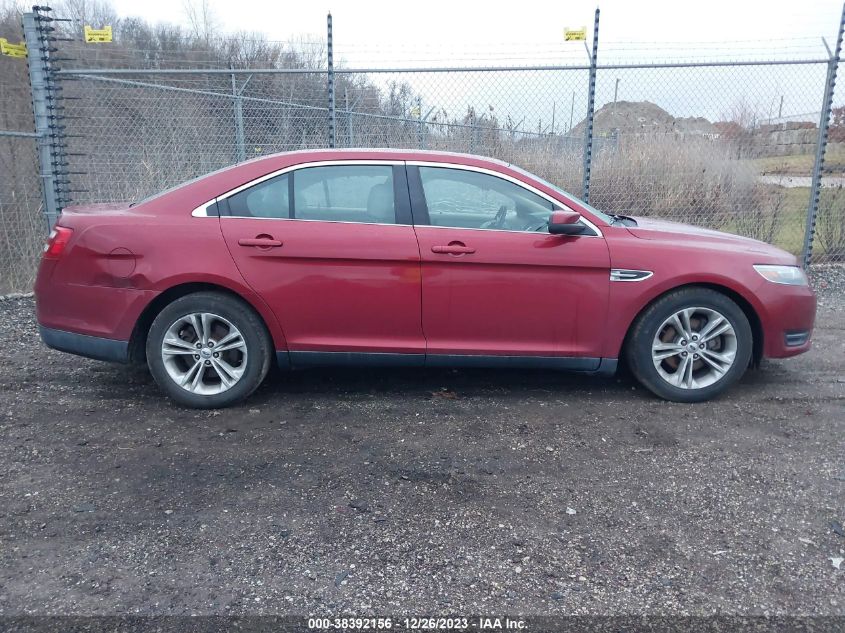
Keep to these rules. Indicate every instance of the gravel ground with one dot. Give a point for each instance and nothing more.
(421, 492)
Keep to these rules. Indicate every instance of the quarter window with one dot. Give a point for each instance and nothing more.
(467, 199)
(345, 193)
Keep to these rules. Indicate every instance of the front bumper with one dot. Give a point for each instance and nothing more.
(788, 316)
(84, 345)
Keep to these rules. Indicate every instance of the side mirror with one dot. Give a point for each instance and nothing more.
(566, 223)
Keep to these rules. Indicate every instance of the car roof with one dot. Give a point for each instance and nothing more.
(206, 187)
(362, 153)
(191, 194)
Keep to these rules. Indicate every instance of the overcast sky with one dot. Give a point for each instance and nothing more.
(439, 32)
(439, 23)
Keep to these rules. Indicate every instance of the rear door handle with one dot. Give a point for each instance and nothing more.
(262, 241)
(453, 248)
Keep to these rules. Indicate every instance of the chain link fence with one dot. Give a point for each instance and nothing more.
(713, 167)
(725, 145)
(22, 223)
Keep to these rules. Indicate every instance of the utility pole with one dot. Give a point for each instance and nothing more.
(615, 93)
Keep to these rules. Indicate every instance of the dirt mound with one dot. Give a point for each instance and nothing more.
(643, 117)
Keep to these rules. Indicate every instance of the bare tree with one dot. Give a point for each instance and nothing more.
(202, 19)
(95, 13)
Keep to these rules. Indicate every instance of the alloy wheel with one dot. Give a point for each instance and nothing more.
(204, 353)
(694, 348)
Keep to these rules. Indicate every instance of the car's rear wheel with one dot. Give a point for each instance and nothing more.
(690, 345)
(208, 350)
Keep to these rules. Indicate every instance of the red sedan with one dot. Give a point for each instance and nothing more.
(408, 258)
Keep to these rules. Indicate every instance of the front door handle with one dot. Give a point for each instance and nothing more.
(453, 248)
(260, 241)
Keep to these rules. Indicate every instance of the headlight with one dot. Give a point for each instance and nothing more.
(790, 275)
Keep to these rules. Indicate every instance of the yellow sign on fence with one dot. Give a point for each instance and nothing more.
(12, 50)
(575, 35)
(96, 36)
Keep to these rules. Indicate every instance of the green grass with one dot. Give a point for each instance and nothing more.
(789, 234)
(802, 164)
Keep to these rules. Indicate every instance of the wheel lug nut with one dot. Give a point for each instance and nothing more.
(695, 356)
(208, 362)
(196, 356)
(211, 343)
(694, 337)
(701, 346)
(683, 342)
(198, 345)
(216, 355)
(684, 354)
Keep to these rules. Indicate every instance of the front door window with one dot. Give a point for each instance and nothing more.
(467, 199)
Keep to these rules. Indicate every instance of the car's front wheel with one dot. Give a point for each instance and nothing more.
(208, 350)
(690, 345)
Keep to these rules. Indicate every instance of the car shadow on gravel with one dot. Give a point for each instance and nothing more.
(118, 382)
(420, 382)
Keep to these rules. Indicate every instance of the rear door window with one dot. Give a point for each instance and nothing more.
(344, 193)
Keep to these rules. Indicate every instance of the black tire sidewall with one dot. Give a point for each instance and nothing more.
(640, 353)
(257, 340)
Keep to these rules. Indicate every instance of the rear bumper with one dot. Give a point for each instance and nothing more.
(84, 345)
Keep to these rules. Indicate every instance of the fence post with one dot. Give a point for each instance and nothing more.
(821, 144)
(591, 102)
(51, 159)
(240, 143)
(330, 78)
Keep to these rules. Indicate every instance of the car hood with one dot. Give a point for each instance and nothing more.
(663, 230)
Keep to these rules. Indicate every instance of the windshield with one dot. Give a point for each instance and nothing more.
(599, 214)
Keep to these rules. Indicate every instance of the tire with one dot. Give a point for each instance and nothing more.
(666, 356)
(212, 379)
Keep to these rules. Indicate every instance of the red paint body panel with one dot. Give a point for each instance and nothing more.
(680, 255)
(335, 286)
(381, 288)
(91, 289)
(516, 294)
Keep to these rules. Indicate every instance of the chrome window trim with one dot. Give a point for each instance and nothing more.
(629, 274)
(241, 217)
(515, 181)
(202, 210)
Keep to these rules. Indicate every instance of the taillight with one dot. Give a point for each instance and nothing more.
(56, 242)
